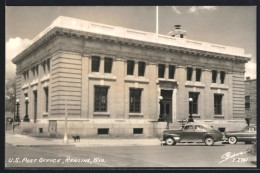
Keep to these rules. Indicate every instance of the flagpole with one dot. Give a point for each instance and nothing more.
(157, 21)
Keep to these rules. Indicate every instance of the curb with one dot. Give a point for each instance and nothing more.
(46, 145)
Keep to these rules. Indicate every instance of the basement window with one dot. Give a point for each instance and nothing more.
(103, 131)
(40, 130)
(138, 131)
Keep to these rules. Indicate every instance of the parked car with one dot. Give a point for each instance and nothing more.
(192, 132)
(247, 135)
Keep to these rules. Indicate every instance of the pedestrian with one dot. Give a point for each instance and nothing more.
(167, 120)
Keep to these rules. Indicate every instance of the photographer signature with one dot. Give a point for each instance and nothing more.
(230, 155)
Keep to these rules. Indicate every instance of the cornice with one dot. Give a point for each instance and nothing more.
(123, 41)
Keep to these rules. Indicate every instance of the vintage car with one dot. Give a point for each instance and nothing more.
(192, 132)
(247, 135)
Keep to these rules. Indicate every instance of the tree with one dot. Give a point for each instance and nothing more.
(10, 95)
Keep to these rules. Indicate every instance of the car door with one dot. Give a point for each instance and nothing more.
(187, 133)
(199, 131)
(248, 133)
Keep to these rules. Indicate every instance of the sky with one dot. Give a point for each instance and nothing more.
(233, 26)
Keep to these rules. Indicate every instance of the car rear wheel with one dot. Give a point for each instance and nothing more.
(209, 141)
(170, 141)
(232, 140)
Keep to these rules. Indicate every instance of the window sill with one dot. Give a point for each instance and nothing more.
(218, 86)
(34, 82)
(166, 80)
(136, 79)
(101, 114)
(102, 77)
(136, 115)
(45, 78)
(25, 86)
(195, 116)
(194, 84)
(219, 116)
(45, 114)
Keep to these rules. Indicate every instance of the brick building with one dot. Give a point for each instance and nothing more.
(250, 100)
(113, 79)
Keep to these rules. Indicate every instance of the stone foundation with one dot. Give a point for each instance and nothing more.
(107, 128)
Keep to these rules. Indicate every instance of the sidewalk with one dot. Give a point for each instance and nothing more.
(24, 140)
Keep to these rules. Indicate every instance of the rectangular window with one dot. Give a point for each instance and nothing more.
(48, 65)
(138, 131)
(141, 68)
(198, 74)
(171, 71)
(247, 102)
(222, 77)
(194, 105)
(95, 64)
(46, 90)
(44, 67)
(135, 100)
(130, 67)
(26, 75)
(161, 70)
(40, 130)
(35, 71)
(100, 104)
(108, 65)
(189, 73)
(103, 131)
(214, 76)
(218, 104)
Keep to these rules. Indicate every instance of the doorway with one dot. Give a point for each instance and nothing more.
(166, 104)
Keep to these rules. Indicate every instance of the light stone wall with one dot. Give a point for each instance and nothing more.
(71, 78)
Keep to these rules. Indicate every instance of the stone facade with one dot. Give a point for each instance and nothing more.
(250, 92)
(56, 71)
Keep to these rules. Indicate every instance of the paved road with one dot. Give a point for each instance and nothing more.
(181, 155)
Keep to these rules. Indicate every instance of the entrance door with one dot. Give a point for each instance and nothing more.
(166, 104)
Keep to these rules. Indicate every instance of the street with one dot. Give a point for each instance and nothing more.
(181, 155)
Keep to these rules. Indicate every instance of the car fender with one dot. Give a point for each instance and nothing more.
(176, 137)
(208, 135)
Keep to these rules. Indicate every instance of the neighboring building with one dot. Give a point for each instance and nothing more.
(250, 100)
(113, 78)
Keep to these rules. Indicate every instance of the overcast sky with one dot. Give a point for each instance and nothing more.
(231, 26)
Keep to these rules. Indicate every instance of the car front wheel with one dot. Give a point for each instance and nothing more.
(209, 141)
(232, 140)
(170, 141)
